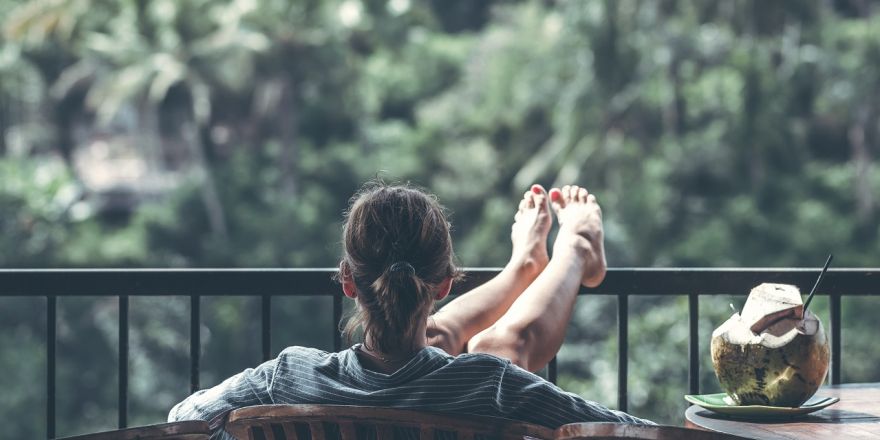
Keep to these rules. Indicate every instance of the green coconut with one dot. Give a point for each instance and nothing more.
(774, 353)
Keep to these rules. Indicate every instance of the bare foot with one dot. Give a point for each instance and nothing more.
(580, 228)
(531, 224)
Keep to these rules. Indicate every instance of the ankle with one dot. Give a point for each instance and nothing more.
(597, 276)
(575, 246)
(584, 254)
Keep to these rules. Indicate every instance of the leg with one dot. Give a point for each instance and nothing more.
(453, 326)
(532, 330)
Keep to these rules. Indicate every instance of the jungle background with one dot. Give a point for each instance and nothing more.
(231, 133)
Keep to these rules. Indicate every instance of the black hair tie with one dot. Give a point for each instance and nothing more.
(404, 267)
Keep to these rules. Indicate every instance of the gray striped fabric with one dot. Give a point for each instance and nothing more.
(478, 384)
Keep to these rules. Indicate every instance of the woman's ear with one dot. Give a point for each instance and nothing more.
(348, 287)
(444, 288)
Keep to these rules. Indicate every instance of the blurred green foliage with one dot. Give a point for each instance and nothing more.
(739, 133)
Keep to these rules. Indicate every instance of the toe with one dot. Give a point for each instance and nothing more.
(582, 195)
(573, 194)
(530, 200)
(591, 199)
(541, 202)
(539, 195)
(556, 200)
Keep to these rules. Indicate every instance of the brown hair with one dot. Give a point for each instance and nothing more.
(397, 249)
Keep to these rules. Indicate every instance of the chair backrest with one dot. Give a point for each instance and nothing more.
(623, 431)
(186, 430)
(336, 422)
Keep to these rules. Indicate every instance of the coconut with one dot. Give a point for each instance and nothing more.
(774, 353)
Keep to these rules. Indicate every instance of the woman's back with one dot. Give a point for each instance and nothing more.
(432, 380)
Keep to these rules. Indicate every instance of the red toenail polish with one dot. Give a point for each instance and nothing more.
(536, 190)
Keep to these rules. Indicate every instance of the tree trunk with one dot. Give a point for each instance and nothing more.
(286, 120)
(63, 117)
(275, 105)
(677, 113)
(210, 195)
(5, 123)
(860, 135)
(149, 137)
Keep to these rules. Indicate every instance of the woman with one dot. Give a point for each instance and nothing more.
(397, 261)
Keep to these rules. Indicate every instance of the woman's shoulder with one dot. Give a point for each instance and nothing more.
(305, 355)
(511, 371)
(484, 359)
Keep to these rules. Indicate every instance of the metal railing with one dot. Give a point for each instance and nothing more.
(195, 283)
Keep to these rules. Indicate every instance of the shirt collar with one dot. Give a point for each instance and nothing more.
(423, 362)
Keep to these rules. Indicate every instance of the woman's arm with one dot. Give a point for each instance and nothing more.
(525, 396)
(250, 387)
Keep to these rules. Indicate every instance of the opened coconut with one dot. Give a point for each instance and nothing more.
(773, 353)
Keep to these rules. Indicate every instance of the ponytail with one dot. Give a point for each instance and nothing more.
(403, 298)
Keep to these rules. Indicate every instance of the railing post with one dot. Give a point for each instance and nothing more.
(836, 348)
(337, 317)
(123, 361)
(51, 334)
(693, 344)
(622, 350)
(266, 323)
(195, 342)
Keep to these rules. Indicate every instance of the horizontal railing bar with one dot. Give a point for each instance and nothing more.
(733, 281)
(318, 281)
(162, 282)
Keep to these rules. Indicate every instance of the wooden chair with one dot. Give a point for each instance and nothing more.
(187, 430)
(622, 431)
(335, 422)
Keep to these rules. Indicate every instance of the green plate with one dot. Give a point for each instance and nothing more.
(722, 404)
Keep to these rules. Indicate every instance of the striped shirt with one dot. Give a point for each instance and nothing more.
(474, 383)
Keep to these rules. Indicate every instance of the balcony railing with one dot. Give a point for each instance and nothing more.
(195, 283)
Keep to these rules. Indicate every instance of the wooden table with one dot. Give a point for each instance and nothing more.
(856, 416)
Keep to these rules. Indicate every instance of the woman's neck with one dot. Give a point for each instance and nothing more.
(381, 362)
(404, 351)
(406, 348)
(388, 361)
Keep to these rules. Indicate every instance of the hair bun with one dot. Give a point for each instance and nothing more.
(403, 266)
